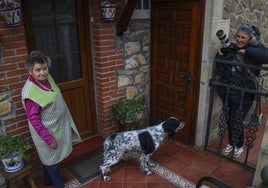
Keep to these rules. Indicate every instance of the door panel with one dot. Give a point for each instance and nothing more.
(175, 28)
(60, 29)
(73, 97)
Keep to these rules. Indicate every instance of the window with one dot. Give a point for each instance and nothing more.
(142, 10)
(54, 29)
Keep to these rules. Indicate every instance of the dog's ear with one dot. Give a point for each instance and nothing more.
(170, 125)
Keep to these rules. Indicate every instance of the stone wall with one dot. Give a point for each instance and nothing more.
(134, 78)
(5, 105)
(255, 12)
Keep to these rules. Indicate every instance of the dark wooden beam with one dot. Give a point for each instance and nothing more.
(125, 16)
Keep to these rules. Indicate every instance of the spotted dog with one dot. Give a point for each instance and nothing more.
(140, 143)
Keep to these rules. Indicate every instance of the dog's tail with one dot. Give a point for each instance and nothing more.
(109, 142)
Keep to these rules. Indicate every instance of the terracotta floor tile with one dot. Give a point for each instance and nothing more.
(205, 164)
(110, 185)
(161, 156)
(188, 156)
(160, 185)
(214, 157)
(244, 179)
(172, 148)
(228, 172)
(134, 185)
(134, 175)
(131, 164)
(90, 185)
(176, 165)
(193, 174)
(155, 179)
(116, 174)
(189, 162)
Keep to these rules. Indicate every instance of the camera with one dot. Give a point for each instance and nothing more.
(228, 47)
(223, 38)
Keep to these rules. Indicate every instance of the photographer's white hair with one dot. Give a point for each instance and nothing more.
(252, 30)
(37, 57)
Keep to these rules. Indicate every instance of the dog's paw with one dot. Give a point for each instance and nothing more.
(149, 173)
(106, 178)
(151, 164)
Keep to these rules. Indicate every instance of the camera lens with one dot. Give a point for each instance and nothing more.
(223, 38)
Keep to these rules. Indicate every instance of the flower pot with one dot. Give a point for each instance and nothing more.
(13, 162)
(108, 10)
(128, 126)
(12, 15)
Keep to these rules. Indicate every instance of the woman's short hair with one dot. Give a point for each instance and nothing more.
(252, 30)
(37, 57)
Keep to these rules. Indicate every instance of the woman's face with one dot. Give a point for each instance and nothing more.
(40, 72)
(242, 39)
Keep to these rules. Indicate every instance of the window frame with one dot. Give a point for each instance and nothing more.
(141, 13)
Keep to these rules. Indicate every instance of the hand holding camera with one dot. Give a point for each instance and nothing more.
(227, 46)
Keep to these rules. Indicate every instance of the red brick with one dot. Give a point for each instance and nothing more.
(8, 67)
(14, 45)
(19, 130)
(16, 85)
(20, 111)
(12, 38)
(16, 98)
(18, 105)
(8, 52)
(22, 51)
(10, 127)
(9, 80)
(3, 88)
(23, 123)
(16, 72)
(14, 59)
(16, 92)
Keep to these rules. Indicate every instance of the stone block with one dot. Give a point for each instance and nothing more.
(5, 108)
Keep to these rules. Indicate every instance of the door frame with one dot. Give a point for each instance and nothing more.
(87, 79)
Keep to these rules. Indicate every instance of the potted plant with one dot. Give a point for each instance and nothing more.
(127, 111)
(11, 11)
(13, 151)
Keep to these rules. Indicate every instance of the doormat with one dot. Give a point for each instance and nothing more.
(87, 169)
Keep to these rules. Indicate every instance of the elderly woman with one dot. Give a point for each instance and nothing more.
(249, 50)
(51, 125)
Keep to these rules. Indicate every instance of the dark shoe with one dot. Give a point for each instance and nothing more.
(64, 179)
(48, 183)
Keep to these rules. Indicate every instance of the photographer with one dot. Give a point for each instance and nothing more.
(249, 50)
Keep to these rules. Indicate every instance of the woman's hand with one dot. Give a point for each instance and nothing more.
(219, 49)
(241, 52)
(53, 145)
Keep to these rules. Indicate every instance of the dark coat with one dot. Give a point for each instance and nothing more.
(239, 75)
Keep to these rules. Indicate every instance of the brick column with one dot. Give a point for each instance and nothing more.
(107, 58)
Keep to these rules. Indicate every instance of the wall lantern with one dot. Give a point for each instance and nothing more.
(11, 11)
(108, 10)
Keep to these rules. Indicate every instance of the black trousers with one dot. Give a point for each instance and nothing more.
(52, 175)
(238, 109)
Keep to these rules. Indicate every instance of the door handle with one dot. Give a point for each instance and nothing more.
(188, 81)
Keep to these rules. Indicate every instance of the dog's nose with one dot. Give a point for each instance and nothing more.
(182, 125)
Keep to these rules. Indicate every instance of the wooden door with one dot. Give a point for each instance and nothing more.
(60, 29)
(176, 63)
